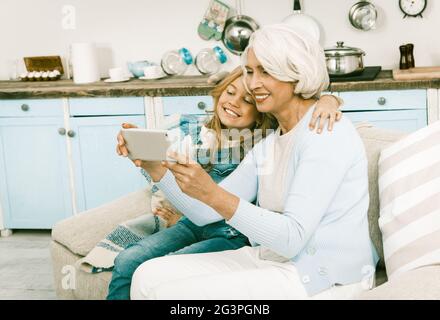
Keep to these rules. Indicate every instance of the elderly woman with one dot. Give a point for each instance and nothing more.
(309, 229)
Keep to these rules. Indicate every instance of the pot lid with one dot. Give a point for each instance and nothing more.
(341, 50)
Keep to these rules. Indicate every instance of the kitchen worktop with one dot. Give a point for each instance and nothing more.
(175, 86)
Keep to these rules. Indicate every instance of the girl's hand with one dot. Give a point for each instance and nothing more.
(170, 216)
(327, 107)
(121, 148)
(154, 168)
(191, 177)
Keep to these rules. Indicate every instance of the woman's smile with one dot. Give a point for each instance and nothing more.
(260, 98)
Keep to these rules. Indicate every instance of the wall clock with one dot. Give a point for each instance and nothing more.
(413, 8)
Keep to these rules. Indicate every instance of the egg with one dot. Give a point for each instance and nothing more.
(56, 72)
(37, 74)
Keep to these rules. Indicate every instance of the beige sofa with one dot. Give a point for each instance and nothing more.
(76, 236)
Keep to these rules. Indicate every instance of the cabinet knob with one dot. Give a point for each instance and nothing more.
(201, 105)
(62, 131)
(381, 101)
(25, 107)
(71, 133)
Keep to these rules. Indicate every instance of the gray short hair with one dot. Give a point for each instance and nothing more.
(290, 55)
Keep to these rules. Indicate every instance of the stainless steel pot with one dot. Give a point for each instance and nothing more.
(342, 61)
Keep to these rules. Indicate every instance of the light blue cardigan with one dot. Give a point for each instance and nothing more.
(324, 227)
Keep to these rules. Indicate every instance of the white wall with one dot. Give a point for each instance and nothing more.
(145, 29)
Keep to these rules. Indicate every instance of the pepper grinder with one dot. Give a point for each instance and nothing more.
(403, 57)
(410, 55)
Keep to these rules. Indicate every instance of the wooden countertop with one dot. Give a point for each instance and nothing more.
(175, 86)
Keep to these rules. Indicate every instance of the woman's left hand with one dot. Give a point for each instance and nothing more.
(327, 109)
(191, 177)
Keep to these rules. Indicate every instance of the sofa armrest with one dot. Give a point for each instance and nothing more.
(83, 231)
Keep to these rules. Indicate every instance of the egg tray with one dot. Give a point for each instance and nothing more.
(40, 78)
(43, 64)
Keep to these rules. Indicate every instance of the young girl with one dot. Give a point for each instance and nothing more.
(234, 109)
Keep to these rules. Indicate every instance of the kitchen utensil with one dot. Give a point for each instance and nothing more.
(403, 63)
(176, 62)
(343, 60)
(214, 21)
(153, 72)
(117, 80)
(303, 21)
(410, 55)
(238, 31)
(116, 73)
(159, 76)
(84, 63)
(210, 60)
(417, 73)
(137, 68)
(363, 15)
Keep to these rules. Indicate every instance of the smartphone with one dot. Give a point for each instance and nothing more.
(147, 144)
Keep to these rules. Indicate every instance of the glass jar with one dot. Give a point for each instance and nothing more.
(176, 62)
(209, 60)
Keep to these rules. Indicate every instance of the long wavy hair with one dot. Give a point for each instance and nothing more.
(265, 122)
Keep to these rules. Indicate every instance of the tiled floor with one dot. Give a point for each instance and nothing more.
(25, 266)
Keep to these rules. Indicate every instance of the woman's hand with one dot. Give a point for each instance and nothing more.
(191, 177)
(198, 184)
(154, 168)
(169, 215)
(327, 108)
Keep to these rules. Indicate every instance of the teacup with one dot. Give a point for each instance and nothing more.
(116, 74)
(153, 71)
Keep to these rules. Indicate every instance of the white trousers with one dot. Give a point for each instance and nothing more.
(228, 275)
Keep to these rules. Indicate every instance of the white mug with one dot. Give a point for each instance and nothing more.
(116, 73)
(153, 71)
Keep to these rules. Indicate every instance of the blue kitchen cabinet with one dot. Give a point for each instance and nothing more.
(34, 179)
(100, 175)
(200, 105)
(170, 109)
(403, 110)
(402, 120)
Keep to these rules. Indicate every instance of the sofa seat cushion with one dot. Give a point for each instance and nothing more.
(83, 231)
(422, 283)
(375, 139)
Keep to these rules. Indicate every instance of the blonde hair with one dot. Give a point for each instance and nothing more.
(266, 122)
(290, 55)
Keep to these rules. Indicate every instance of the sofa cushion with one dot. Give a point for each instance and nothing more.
(80, 285)
(375, 140)
(83, 231)
(422, 283)
(409, 191)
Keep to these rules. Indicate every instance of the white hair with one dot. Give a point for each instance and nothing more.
(290, 55)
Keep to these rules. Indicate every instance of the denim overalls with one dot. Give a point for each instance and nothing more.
(184, 237)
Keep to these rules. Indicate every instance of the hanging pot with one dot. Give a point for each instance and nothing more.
(299, 20)
(363, 15)
(238, 30)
